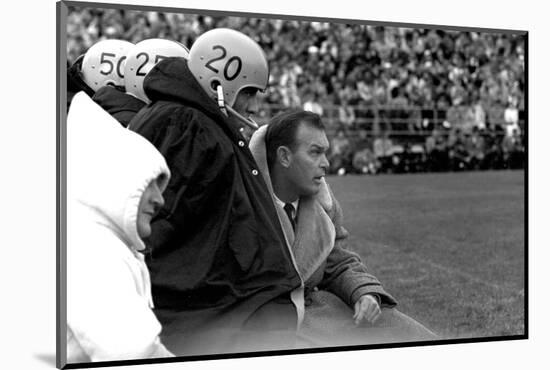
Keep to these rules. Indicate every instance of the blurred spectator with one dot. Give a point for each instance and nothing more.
(479, 114)
(493, 148)
(475, 147)
(436, 151)
(288, 85)
(363, 160)
(458, 155)
(346, 115)
(340, 151)
(461, 115)
(511, 117)
(383, 151)
(312, 104)
(512, 150)
(366, 117)
(412, 158)
(398, 113)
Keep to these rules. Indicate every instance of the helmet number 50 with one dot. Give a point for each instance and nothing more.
(110, 64)
(230, 61)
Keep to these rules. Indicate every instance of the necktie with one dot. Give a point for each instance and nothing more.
(289, 209)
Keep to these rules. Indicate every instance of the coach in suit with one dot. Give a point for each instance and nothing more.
(345, 304)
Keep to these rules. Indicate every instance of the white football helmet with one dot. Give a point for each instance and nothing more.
(143, 57)
(103, 63)
(230, 59)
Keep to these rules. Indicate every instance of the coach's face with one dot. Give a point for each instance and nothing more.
(308, 162)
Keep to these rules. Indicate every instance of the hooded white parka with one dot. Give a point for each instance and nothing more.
(109, 304)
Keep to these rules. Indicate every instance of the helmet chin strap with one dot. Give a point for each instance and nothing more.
(226, 108)
(221, 101)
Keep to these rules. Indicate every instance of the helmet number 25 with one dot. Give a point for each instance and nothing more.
(230, 61)
(110, 64)
(146, 58)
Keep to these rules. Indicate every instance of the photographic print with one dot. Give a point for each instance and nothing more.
(242, 184)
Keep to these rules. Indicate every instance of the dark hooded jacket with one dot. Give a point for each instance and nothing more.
(123, 107)
(220, 269)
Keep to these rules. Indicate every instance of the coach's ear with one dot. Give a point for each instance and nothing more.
(284, 156)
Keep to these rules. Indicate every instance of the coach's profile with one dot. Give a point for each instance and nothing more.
(345, 304)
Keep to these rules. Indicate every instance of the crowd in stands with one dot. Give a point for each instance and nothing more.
(454, 99)
(442, 150)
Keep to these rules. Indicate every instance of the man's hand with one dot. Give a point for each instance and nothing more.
(366, 308)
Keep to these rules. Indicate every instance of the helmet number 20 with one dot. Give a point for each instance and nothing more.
(110, 65)
(230, 61)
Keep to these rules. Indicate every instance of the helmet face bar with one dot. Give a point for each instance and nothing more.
(143, 57)
(103, 63)
(228, 58)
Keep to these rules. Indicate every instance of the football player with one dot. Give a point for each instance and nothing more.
(223, 278)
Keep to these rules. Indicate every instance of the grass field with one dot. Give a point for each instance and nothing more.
(449, 247)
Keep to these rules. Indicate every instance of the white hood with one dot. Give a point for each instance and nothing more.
(108, 168)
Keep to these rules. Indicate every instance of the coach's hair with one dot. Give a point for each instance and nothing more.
(281, 131)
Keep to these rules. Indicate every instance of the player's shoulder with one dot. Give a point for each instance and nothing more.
(179, 114)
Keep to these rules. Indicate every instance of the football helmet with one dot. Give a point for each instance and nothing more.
(103, 63)
(143, 57)
(225, 61)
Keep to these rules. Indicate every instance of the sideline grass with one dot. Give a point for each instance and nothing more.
(449, 247)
